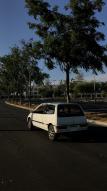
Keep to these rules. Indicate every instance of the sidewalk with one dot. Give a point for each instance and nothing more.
(97, 122)
(90, 121)
(97, 118)
(19, 106)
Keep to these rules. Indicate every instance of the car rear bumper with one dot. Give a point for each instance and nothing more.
(71, 129)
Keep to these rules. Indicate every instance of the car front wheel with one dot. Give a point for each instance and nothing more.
(51, 133)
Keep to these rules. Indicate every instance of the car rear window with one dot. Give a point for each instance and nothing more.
(70, 110)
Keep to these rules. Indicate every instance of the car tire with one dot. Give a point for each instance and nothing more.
(51, 133)
(29, 124)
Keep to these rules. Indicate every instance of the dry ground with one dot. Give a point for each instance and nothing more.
(97, 116)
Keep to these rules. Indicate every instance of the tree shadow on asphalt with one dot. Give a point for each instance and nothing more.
(96, 134)
(20, 130)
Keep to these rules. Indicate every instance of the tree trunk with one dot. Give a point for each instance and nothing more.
(8, 93)
(20, 96)
(29, 90)
(67, 86)
(94, 90)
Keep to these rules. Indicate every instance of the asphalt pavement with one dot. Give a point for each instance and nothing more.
(30, 162)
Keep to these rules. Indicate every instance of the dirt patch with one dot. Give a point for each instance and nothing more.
(97, 116)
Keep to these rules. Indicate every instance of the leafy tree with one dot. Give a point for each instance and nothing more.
(104, 87)
(31, 54)
(59, 90)
(72, 39)
(13, 72)
(45, 91)
(19, 68)
(86, 87)
(6, 77)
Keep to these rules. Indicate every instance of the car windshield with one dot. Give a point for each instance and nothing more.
(70, 110)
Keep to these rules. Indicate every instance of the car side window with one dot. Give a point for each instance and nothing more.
(40, 109)
(50, 109)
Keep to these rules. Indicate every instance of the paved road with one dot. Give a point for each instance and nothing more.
(29, 162)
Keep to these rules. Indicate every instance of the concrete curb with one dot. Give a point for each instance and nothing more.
(90, 122)
(18, 106)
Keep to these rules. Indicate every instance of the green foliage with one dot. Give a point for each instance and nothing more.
(104, 87)
(71, 40)
(31, 55)
(49, 90)
(20, 67)
(45, 91)
(87, 87)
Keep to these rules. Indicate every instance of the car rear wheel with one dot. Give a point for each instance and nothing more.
(30, 125)
(51, 133)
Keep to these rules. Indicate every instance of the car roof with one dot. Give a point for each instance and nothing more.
(56, 104)
(59, 103)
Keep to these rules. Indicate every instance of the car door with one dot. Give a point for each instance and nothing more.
(37, 116)
(48, 115)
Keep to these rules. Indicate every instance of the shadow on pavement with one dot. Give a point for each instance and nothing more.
(96, 134)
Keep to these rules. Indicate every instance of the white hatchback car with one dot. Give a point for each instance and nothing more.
(57, 118)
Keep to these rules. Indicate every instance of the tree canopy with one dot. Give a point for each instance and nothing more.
(20, 68)
(70, 39)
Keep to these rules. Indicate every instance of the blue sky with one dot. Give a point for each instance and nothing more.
(14, 28)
